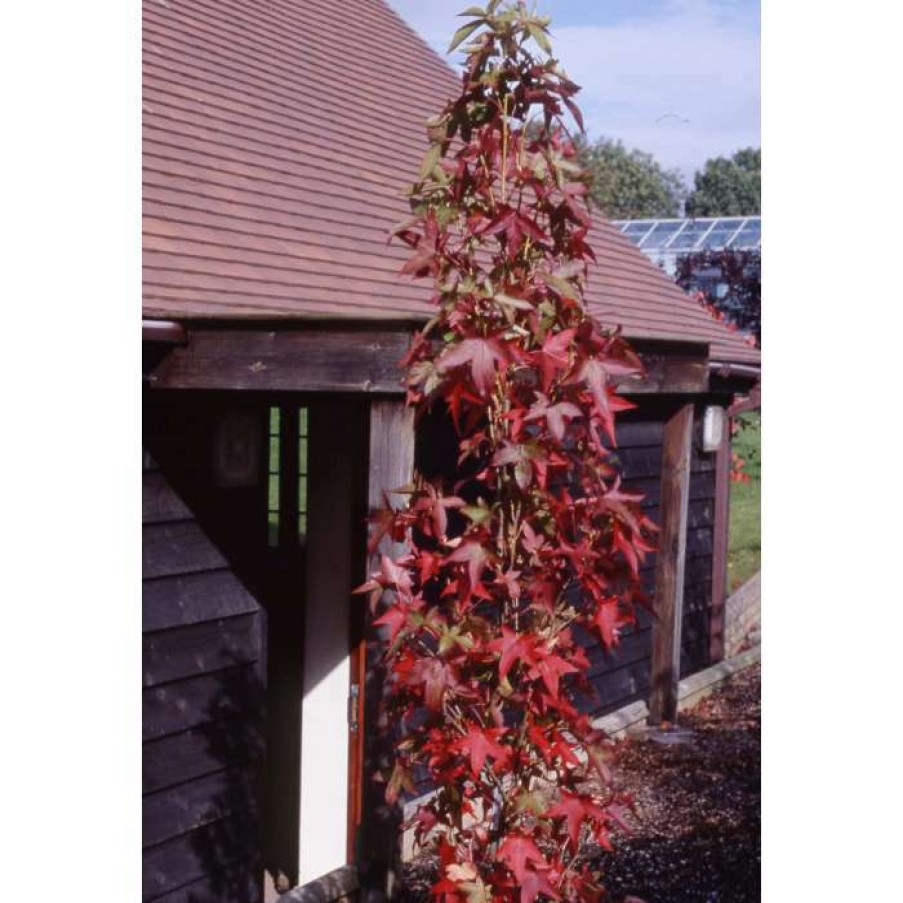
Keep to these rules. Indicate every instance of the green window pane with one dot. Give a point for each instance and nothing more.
(302, 494)
(273, 498)
(302, 456)
(274, 454)
(274, 421)
(302, 526)
(302, 421)
(273, 529)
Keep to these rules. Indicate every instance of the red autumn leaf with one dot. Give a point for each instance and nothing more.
(457, 398)
(595, 376)
(435, 675)
(475, 556)
(553, 357)
(551, 669)
(555, 415)
(516, 851)
(480, 355)
(436, 505)
(394, 574)
(394, 617)
(513, 648)
(608, 619)
(535, 883)
(479, 744)
(575, 810)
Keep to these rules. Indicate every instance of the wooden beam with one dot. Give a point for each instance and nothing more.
(291, 360)
(721, 523)
(391, 466)
(344, 359)
(670, 565)
(674, 374)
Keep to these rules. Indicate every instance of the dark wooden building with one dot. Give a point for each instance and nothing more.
(278, 140)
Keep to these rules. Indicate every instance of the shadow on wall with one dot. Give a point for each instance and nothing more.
(228, 845)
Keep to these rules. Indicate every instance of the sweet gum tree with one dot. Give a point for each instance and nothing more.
(538, 541)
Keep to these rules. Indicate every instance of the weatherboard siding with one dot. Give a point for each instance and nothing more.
(202, 725)
(622, 675)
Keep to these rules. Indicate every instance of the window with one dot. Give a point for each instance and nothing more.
(281, 420)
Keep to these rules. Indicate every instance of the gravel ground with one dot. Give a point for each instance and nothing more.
(698, 804)
(698, 837)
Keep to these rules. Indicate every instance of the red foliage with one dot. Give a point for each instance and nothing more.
(481, 610)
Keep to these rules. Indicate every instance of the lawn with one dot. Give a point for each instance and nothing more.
(745, 542)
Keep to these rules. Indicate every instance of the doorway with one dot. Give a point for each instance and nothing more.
(315, 529)
(277, 483)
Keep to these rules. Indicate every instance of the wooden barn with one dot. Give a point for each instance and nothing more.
(278, 140)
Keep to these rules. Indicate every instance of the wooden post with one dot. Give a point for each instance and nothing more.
(720, 545)
(391, 466)
(670, 565)
(391, 453)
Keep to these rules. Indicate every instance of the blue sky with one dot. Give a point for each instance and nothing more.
(677, 78)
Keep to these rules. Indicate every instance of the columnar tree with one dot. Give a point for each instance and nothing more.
(540, 542)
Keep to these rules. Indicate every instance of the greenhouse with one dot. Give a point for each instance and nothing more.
(663, 241)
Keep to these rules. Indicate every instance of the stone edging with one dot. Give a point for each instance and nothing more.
(690, 690)
(742, 612)
(337, 885)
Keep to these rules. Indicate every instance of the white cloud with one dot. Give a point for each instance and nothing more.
(691, 64)
(695, 60)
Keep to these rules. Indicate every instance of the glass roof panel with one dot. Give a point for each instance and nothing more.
(719, 236)
(749, 236)
(637, 228)
(690, 235)
(661, 234)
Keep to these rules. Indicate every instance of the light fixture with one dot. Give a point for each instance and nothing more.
(713, 426)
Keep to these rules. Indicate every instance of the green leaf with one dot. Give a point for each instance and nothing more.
(508, 301)
(562, 286)
(464, 32)
(473, 11)
(531, 802)
(539, 36)
(430, 159)
(477, 513)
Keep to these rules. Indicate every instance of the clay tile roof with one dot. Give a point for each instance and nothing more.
(278, 141)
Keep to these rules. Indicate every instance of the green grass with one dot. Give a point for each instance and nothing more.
(745, 539)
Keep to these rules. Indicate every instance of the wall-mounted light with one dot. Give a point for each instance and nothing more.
(714, 423)
(236, 449)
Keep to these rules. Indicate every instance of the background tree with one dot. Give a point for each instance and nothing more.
(630, 184)
(729, 283)
(728, 186)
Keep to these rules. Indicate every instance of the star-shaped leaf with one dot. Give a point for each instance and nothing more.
(516, 851)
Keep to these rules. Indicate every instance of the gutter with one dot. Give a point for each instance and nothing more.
(166, 331)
